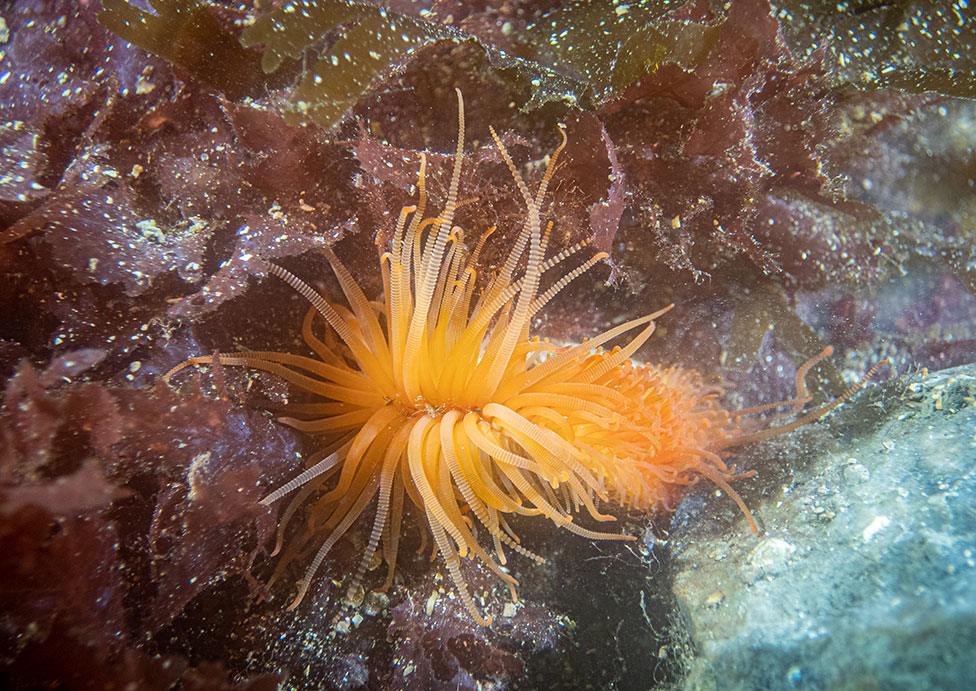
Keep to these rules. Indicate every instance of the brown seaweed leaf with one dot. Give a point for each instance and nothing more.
(210, 460)
(85, 489)
(435, 646)
(60, 574)
(42, 428)
(188, 34)
(96, 230)
(607, 45)
(190, 470)
(22, 163)
(361, 42)
(912, 45)
(370, 42)
(61, 587)
(702, 146)
(365, 45)
(605, 214)
(356, 46)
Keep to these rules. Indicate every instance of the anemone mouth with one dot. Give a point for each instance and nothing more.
(439, 397)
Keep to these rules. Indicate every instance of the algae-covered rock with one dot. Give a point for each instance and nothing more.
(864, 574)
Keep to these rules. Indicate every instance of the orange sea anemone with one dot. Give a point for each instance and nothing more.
(438, 393)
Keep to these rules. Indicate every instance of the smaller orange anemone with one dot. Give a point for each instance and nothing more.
(438, 394)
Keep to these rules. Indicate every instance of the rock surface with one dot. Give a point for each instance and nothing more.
(864, 573)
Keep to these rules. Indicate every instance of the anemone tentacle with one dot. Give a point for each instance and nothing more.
(422, 396)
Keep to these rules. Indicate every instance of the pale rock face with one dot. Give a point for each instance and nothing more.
(865, 571)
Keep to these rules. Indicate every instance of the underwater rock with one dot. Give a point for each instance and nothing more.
(864, 574)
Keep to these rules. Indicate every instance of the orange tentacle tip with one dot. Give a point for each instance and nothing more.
(436, 394)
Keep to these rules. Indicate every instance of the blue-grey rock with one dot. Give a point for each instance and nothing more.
(863, 575)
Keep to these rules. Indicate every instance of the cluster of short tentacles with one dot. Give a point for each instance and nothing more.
(436, 393)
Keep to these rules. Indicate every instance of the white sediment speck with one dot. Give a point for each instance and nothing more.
(874, 527)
